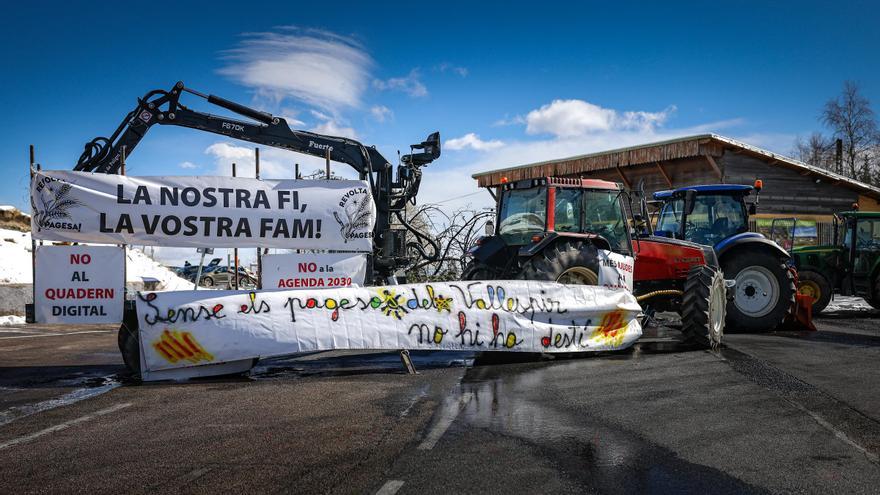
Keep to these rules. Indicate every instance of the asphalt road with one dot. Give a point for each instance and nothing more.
(783, 412)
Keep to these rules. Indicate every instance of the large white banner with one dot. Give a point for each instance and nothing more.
(79, 284)
(202, 211)
(313, 270)
(192, 328)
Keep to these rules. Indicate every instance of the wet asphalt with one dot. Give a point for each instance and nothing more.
(777, 413)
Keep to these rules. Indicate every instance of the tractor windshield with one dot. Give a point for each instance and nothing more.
(604, 215)
(523, 214)
(715, 218)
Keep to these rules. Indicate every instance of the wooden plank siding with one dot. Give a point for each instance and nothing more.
(588, 165)
(790, 187)
(786, 191)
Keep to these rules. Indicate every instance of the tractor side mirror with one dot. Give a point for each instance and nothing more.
(489, 228)
(753, 208)
(690, 200)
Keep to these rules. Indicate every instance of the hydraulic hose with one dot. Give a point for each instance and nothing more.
(434, 246)
(666, 292)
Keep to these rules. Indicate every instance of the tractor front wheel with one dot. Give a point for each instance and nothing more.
(764, 290)
(815, 285)
(128, 340)
(566, 262)
(703, 307)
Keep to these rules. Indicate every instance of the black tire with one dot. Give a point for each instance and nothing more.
(128, 340)
(816, 285)
(733, 266)
(703, 307)
(565, 260)
(874, 300)
(476, 271)
(207, 282)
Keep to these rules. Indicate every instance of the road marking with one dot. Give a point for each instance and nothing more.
(14, 413)
(55, 334)
(446, 418)
(837, 433)
(390, 487)
(63, 426)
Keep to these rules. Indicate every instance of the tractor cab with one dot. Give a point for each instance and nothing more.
(708, 214)
(539, 216)
(532, 211)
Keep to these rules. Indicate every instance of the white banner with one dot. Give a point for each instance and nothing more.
(79, 284)
(616, 270)
(192, 328)
(313, 270)
(202, 211)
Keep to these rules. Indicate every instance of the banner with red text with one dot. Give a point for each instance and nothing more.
(202, 211)
(313, 270)
(79, 284)
(192, 328)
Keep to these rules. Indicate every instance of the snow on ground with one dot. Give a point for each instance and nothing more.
(9, 320)
(15, 264)
(847, 303)
(15, 257)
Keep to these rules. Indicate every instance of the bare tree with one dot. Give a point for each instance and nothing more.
(816, 150)
(453, 233)
(851, 118)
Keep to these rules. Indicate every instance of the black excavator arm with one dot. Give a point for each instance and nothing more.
(104, 154)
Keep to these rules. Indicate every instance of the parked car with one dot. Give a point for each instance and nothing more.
(222, 276)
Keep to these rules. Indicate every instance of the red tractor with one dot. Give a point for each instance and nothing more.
(570, 230)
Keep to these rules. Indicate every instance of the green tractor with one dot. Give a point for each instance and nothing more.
(849, 266)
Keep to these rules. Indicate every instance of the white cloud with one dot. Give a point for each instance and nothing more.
(381, 113)
(409, 84)
(570, 118)
(448, 67)
(275, 163)
(187, 165)
(473, 141)
(316, 67)
(332, 126)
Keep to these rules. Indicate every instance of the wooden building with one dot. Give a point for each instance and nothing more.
(791, 188)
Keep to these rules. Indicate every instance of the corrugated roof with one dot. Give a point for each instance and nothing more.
(685, 147)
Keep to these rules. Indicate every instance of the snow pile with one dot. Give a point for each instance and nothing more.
(847, 303)
(142, 272)
(10, 320)
(152, 274)
(15, 257)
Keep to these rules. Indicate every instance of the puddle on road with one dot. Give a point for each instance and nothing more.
(510, 401)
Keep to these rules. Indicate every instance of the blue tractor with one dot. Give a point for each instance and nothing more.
(718, 215)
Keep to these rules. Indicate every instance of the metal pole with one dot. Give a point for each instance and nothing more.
(199, 272)
(235, 250)
(328, 164)
(259, 253)
(296, 171)
(124, 250)
(33, 245)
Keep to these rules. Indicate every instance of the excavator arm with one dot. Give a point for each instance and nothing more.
(104, 154)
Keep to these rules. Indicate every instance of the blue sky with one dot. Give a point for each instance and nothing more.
(505, 84)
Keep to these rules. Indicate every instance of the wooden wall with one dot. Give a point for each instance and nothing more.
(786, 191)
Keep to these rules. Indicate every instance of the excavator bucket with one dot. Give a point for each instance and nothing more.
(800, 317)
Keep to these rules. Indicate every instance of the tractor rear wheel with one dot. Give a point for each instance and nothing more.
(704, 307)
(875, 299)
(128, 340)
(566, 262)
(815, 285)
(764, 290)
